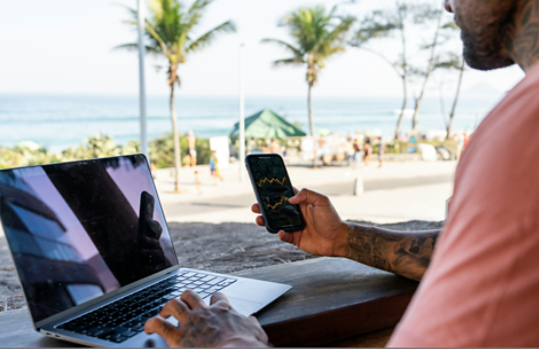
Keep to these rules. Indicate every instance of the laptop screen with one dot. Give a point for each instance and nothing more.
(80, 230)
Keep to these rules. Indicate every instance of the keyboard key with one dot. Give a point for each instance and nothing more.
(138, 328)
(130, 324)
(191, 286)
(99, 331)
(198, 283)
(198, 290)
(215, 281)
(163, 301)
(180, 284)
(204, 286)
(204, 295)
(129, 333)
(188, 275)
(201, 275)
(117, 339)
(115, 323)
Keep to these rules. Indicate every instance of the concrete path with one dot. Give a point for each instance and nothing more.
(395, 192)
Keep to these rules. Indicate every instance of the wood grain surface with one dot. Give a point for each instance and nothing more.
(331, 299)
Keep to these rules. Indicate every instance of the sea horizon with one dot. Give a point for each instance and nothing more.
(59, 121)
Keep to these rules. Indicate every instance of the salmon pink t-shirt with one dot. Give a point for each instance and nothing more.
(482, 286)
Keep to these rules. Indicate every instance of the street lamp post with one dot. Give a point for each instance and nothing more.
(242, 115)
(142, 91)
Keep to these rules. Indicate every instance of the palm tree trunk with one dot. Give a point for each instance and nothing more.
(311, 123)
(404, 101)
(404, 71)
(176, 140)
(310, 108)
(452, 114)
(427, 73)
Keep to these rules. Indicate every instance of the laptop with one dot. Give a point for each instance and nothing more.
(94, 256)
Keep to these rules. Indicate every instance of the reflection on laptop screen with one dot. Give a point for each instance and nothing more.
(82, 229)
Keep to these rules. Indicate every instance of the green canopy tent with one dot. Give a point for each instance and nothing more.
(267, 124)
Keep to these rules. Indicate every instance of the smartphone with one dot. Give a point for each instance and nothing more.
(273, 188)
(147, 205)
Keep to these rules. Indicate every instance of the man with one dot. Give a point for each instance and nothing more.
(482, 284)
(191, 141)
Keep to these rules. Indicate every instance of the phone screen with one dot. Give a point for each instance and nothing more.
(275, 188)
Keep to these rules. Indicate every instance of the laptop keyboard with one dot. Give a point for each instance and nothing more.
(125, 317)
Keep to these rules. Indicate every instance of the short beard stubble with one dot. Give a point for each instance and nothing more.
(485, 49)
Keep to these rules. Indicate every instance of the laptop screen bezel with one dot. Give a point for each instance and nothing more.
(112, 294)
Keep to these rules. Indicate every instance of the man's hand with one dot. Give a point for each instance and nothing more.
(325, 234)
(201, 326)
(151, 255)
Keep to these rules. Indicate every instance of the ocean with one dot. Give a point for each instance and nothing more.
(57, 121)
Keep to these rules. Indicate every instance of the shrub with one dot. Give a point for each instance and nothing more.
(162, 151)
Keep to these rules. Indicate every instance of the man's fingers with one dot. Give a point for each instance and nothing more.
(260, 221)
(291, 238)
(260, 334)
(255, 208)
(295, 190)
(310, 197)
(285, 237)
(192, 299)
(176, 308)
(156, 229)
(161, 327)
(254, 320)
(220, 299)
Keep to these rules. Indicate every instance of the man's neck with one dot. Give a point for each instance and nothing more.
(522, 41)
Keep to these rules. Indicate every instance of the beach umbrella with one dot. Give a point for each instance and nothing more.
(267, 124)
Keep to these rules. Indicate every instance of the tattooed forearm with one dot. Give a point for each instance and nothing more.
(404, 253)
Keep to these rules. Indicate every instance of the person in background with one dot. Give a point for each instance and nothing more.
(191, 145)
(412, 144)
(197, 181)
(356, 157)
(381, 151)
(214, 168)
(367, 152)
(466, 141)
(274, 147)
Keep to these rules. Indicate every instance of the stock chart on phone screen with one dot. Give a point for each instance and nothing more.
(275, 189)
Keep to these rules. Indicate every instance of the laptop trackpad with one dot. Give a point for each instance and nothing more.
(243, 306)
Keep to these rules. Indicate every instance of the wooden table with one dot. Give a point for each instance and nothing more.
(332, 300)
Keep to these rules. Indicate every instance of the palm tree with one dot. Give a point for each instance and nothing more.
(318, 35)
(169, 33)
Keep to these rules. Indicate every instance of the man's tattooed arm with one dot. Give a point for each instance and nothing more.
(404, 253)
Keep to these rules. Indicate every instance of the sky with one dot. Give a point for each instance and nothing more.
(65, 47)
